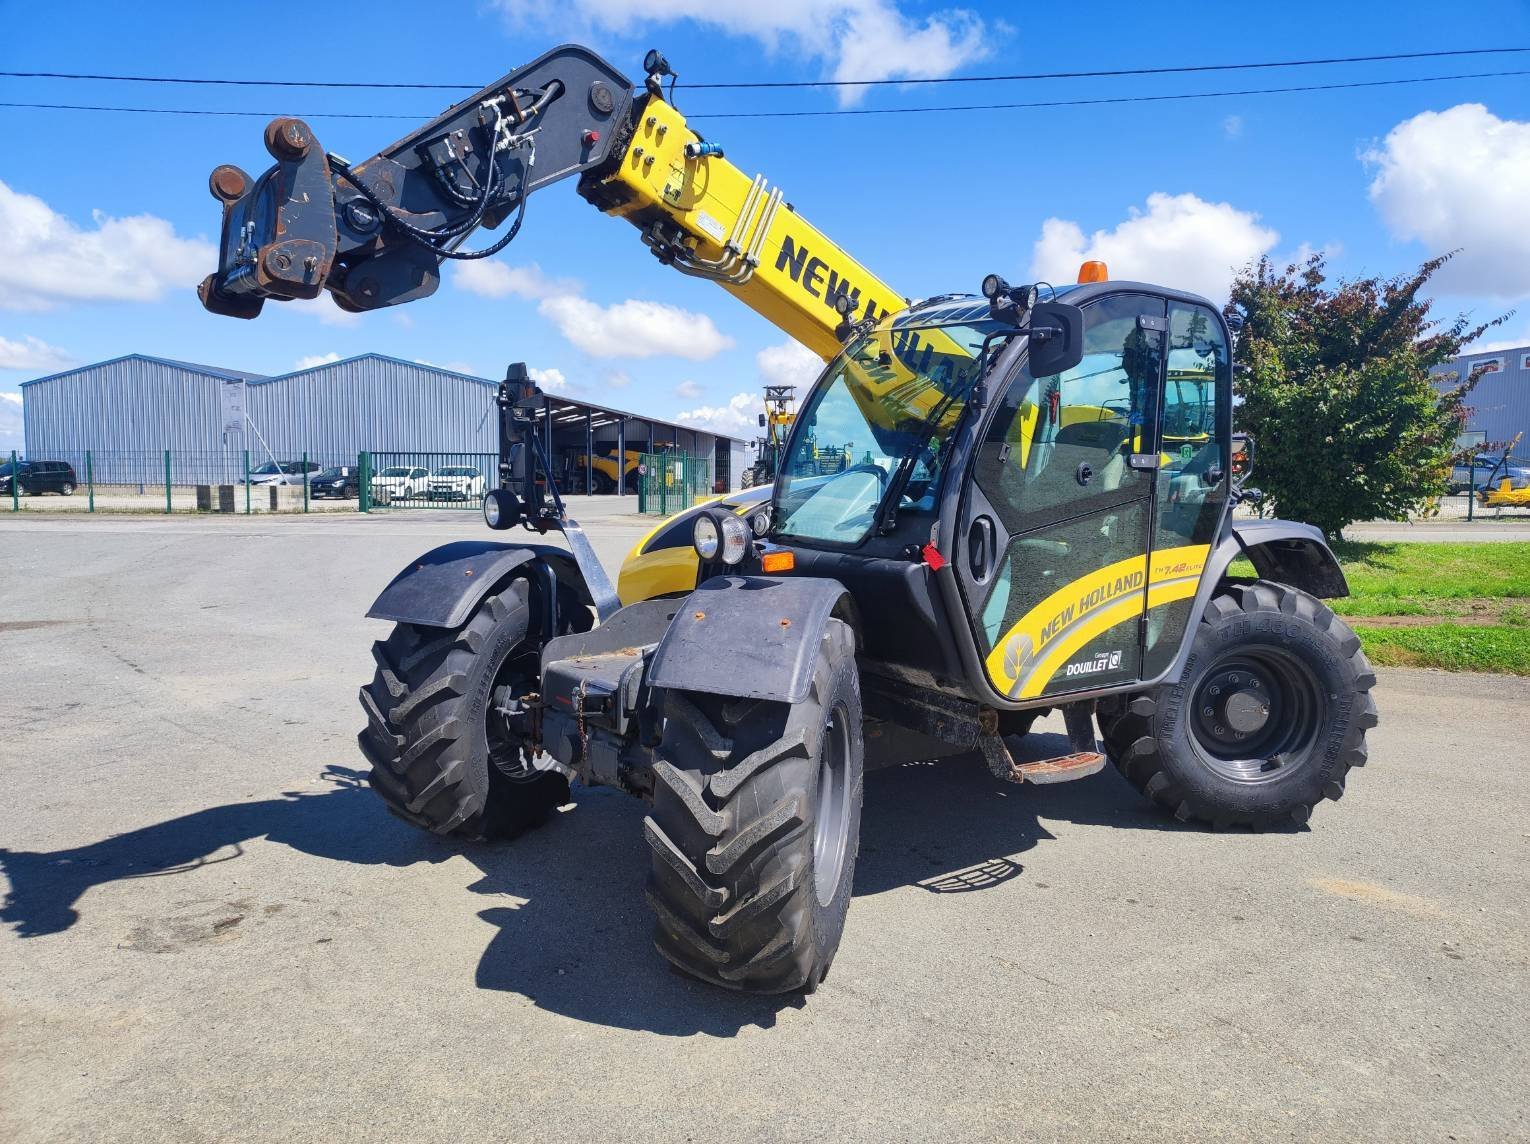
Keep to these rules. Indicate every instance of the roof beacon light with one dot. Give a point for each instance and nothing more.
(1093, 272)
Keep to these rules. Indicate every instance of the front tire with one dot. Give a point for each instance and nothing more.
(440, 755)
(1268, 716)
(755, 826)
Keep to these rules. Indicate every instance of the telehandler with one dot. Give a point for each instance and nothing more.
(1038, 515)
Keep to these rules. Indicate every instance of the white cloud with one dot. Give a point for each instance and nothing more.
(855, 39)
(501, 280)
(688, 390)
(789, 363)
(1179, 240)
(31, 354)
(738, 418)
(11, 436)
(323, 308)
(1232, 126)
(46, 259)
(1460, 179)
(317, 359)
(634, 328)
(548, 379)
(618, 379)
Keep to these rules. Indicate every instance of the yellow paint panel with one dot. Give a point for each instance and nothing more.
(1026, 658)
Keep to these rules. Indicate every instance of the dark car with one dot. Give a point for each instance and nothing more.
(340, 481)
(35, 477)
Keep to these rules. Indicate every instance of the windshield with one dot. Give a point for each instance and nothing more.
(395, 471)
(266, 469)
(893, 397)
(326, 474)
(456, 472)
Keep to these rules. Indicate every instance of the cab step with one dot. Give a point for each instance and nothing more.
(1084, 760)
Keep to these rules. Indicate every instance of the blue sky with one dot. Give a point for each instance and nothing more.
(103, 216)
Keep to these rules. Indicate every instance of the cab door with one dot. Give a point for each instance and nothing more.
(1054, 553)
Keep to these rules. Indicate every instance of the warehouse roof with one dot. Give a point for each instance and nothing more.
(210, 370)
(565, 410)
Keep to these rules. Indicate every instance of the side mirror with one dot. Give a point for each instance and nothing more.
(1056, 338)
(1242, 455)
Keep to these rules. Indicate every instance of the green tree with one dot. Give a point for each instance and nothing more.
(1334, 385)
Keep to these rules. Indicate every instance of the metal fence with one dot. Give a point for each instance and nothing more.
(672, 481)
(169, 480)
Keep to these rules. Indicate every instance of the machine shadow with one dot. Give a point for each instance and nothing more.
(575, 936)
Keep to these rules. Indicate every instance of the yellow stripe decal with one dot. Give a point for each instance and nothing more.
(1023, 662)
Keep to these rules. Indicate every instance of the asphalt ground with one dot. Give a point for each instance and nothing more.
(213, 931)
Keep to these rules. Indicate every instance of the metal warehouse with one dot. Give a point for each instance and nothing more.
(1499, 408)
(216, 421)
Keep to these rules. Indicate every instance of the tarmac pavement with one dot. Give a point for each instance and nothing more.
(213, 931)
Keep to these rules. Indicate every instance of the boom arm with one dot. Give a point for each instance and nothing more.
(375, 234)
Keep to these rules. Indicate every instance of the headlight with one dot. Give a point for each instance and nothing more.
(760, 521)
(499, 508)
(735, 538)
(704, 537)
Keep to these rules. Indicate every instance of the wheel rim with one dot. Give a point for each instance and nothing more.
(1256, 712)
(832, 806)
(515, 677)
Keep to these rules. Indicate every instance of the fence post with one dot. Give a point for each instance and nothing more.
(15, 483)
(305, 480)
(246, 482)
(364, 477)
(1471, 485)
(167, 480)
(90, 483)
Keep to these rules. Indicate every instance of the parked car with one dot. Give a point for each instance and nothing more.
(284, 472)
(36, 477)
(401, 482)
(456, 482)
(1489, 471)
(338, 481)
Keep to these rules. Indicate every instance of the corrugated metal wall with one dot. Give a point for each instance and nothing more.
(1500, 405)
(373, 403)
(128, 410)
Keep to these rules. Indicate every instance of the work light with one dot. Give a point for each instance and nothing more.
(499, 509)
(704, 537)
(735, 538)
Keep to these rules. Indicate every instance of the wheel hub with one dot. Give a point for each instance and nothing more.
(1233, 704)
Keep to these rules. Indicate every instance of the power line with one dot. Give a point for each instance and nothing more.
(1106, 73)
(773, 84)
(200, 111)
(1036, 104)
(1032, 105)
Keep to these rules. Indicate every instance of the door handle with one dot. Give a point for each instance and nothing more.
(980, 548)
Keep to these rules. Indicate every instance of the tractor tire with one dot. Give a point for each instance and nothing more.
(755, 825)
(438, 758)
(1265, 722)
(605, 484)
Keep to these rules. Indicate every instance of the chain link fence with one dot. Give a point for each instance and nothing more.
(430, 480)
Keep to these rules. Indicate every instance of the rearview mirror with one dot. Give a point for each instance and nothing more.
(1056, 338)
(1242, 455)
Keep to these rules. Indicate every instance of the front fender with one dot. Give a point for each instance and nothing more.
(754, 637)
(441, 588)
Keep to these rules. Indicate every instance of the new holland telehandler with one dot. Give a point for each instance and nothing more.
(1037, 515)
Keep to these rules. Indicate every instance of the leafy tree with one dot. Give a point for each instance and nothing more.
(1334, 385)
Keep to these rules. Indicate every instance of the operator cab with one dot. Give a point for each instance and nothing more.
(1076, 509)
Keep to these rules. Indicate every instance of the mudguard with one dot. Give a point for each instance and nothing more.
(754, 637)
(1286, 551)
(441, 588)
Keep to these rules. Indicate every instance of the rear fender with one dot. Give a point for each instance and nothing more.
(441, 588)
(754, 637)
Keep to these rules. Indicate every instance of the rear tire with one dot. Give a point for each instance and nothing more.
(439, 758)
(1266, 720)
(755, 825)
(66, 489)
